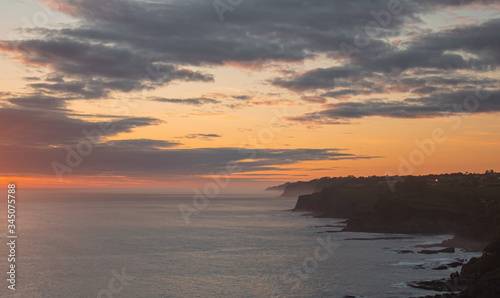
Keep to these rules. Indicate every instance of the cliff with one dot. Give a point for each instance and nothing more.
(465, 205)
(472, 213)
(469, 212)
(338, 201)
(483, 274)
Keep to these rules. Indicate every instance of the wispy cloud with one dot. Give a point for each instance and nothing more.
(189, 101)
(438, 105)
(203, 136)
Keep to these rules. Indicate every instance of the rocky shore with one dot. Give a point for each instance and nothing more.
(416, 206)
(480, 277)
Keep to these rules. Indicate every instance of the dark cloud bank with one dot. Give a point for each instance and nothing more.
(125, 45)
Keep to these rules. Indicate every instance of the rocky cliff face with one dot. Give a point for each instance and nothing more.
(395, 217)
(483, 274)
(464, 217)
(471, 213)
(374, 208)
(298, 189)
(308, 203)
(327, 203)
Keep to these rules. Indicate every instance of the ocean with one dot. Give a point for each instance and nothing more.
(120, 243)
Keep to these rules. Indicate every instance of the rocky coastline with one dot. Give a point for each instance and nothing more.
(480, 277)
(419, 205)
(470, 213)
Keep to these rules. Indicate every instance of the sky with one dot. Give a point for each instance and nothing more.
(245, 93)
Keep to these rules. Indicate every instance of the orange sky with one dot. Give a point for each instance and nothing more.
(207, 108)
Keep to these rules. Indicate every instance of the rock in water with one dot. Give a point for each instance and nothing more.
(442, 267)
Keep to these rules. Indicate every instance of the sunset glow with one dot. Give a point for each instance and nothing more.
(135, 94)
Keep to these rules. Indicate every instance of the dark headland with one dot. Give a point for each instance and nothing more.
(465, 205)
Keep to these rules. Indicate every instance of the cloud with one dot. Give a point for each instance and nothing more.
(30, 146)
(87, 89)
(141, 144)
(472, 48)
(42, 128)
(341, 93)
(314, 99)
(143, 158)
(320, 78)
(39, 101)
(425, 90)
(203, 136)
(242, 97)
(125, 45)
(189, 101)
(437, 105)
(94, 69)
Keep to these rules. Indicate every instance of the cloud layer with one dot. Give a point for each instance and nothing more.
(115, 47)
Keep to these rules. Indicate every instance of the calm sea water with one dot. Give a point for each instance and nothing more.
(81, 244)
